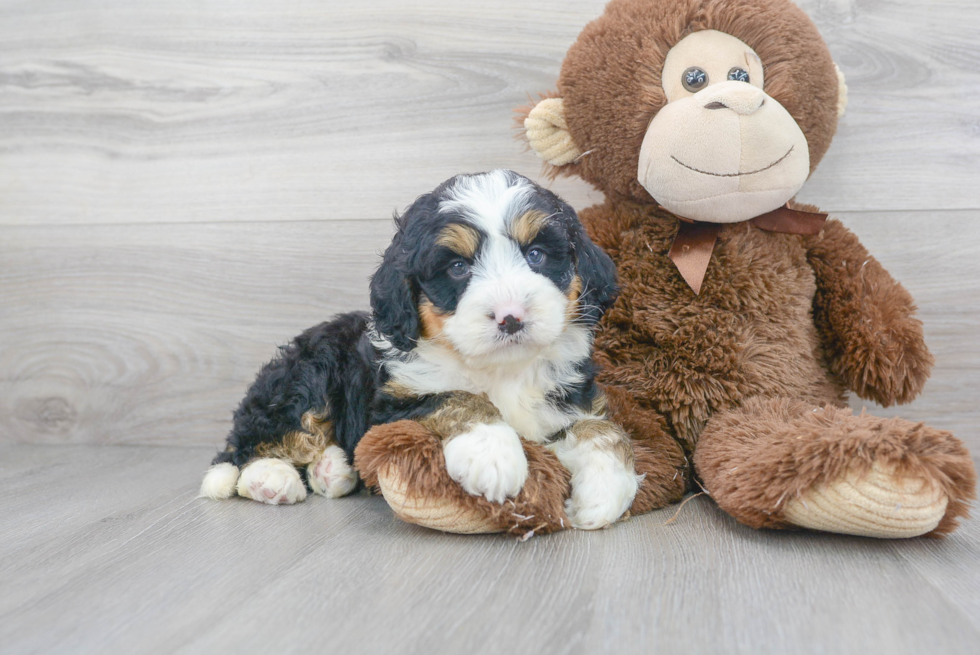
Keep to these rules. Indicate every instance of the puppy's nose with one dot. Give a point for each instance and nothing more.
(509, 317)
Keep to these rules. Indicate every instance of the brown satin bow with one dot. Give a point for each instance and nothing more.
(695, 240)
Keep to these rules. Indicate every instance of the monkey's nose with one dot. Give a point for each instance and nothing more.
(742, 98)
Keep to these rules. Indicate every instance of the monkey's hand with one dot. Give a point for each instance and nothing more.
(866, 320)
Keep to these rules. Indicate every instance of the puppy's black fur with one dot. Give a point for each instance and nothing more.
(331, 366)
(337, 370)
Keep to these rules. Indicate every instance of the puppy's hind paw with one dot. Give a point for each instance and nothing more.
(331, 475)
(219, 482)
(271, 481)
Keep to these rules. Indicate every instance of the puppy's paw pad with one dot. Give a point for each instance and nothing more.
(488, 461)
(271, 481)
(331, 475)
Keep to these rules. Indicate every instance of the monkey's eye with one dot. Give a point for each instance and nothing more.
(694, 79)
(534, 256)
(738, 74)
(458, 269)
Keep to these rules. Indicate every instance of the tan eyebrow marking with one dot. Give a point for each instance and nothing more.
(526, 226)
(461, 239)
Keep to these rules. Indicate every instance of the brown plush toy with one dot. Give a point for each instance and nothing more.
(743, 319)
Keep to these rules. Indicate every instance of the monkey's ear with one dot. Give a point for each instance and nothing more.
(547, 132)
(393, 298)
(841, 92)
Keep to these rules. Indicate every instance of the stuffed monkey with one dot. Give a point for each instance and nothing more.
(743, 319)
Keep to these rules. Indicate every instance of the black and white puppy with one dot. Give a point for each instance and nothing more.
(483, 311)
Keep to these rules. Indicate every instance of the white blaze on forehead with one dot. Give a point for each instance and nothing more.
(489, 200)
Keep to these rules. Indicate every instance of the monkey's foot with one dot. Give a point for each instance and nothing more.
(780, 463)
(879, 503)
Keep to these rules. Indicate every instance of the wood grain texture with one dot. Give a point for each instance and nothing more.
(232, 111)
(108, 550)
(150, 334)
(185, 185)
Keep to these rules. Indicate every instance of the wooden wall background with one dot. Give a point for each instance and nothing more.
(186, 184)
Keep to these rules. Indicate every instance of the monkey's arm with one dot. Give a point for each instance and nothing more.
(865, 320)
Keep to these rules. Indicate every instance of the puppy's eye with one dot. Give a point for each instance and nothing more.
(458, 269)
(535, 256)
(738, 74)
(694, 79)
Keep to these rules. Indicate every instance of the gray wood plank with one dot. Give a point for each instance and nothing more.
(131, 570)
(181, 112)
(171, 182)
(150, 334)
(906, 64)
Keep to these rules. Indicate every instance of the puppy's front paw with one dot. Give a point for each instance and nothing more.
(488, 461)
(331, 475)
(602, 491)
(271, 481)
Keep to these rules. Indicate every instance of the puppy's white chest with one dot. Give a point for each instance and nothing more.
(526, 409)
(521, 394)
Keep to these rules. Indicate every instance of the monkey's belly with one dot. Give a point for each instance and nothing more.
(749, 332)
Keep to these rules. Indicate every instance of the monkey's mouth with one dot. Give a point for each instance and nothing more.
(764, 168)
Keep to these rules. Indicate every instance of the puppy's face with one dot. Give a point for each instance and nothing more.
(493, 267)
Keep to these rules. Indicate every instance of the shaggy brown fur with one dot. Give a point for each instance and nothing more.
(411, 452)
(416, 454)
(864, 319)
(684, 356)
(754, 458)
(779, 316)
(747, 378)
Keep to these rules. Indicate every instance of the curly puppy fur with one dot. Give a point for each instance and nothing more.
(483, 309)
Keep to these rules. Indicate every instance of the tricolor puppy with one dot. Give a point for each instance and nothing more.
(483, 311)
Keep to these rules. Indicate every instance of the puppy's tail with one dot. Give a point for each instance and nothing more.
(220, 481)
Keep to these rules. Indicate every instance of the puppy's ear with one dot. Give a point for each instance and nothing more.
(598, 274)
(393, 298)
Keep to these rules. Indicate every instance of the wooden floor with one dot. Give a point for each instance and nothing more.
(185, 185)
(107, 549)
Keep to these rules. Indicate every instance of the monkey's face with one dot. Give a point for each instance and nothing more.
(683, 81)
(721, 150)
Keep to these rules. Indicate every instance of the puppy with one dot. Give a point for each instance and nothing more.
(483, 311)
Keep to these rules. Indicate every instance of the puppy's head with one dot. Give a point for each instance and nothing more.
(492, 266)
